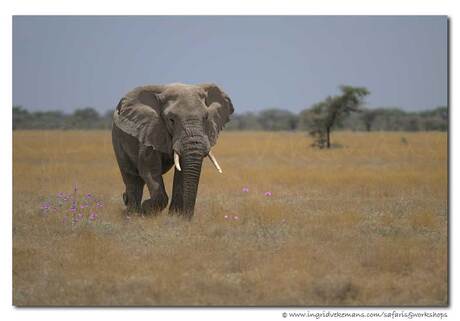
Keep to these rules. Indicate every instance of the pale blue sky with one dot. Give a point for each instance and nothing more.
(64, 63)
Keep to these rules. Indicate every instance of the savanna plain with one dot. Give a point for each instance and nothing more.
(364, 223)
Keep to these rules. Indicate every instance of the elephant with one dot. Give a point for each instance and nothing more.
(156, 127)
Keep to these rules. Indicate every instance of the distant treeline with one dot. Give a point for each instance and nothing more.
(85, 118)
(381, 119)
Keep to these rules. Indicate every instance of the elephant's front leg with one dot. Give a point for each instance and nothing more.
(177, 193)
(133, 194)
(150, 170)
(158, 197)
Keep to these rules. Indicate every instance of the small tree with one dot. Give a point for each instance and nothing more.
(328, 113)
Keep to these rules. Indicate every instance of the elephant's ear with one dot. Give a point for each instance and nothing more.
(139, 114)
(220, 107)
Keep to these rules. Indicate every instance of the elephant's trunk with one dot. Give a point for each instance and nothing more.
(191, 170)
(191, 149)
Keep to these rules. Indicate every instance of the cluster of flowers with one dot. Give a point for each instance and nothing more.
(230, 217)
(246, 190)
(74, 206)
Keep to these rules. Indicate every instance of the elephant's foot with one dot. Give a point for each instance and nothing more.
(176, 207)
(154, 206)
(130, 202)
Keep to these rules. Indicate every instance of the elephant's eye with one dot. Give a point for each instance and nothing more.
(169, 119)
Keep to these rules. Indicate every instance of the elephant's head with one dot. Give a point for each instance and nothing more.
(181, 120)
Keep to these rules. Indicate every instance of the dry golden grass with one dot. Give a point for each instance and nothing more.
(365, 224)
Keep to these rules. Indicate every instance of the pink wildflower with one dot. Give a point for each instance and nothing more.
(74, 207)
(45, 206)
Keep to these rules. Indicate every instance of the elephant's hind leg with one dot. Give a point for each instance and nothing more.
(123, 146)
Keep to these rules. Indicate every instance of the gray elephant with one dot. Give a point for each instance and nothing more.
(156, 127)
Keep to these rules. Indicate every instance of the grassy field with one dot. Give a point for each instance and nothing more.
(363, 224)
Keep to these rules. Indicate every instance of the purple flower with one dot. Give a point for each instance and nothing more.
(92, 216)
(88, 195)
(245, 189)
(268, 194)
(64, 219)
(83, 206)
(75, 188)
(74, 207)
(45, 206)
(60, 194)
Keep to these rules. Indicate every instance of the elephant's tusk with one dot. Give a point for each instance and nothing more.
(214, 162)
(176, 161)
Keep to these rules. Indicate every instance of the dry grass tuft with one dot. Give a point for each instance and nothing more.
(365, 224)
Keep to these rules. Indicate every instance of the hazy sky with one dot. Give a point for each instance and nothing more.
(64, 63)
